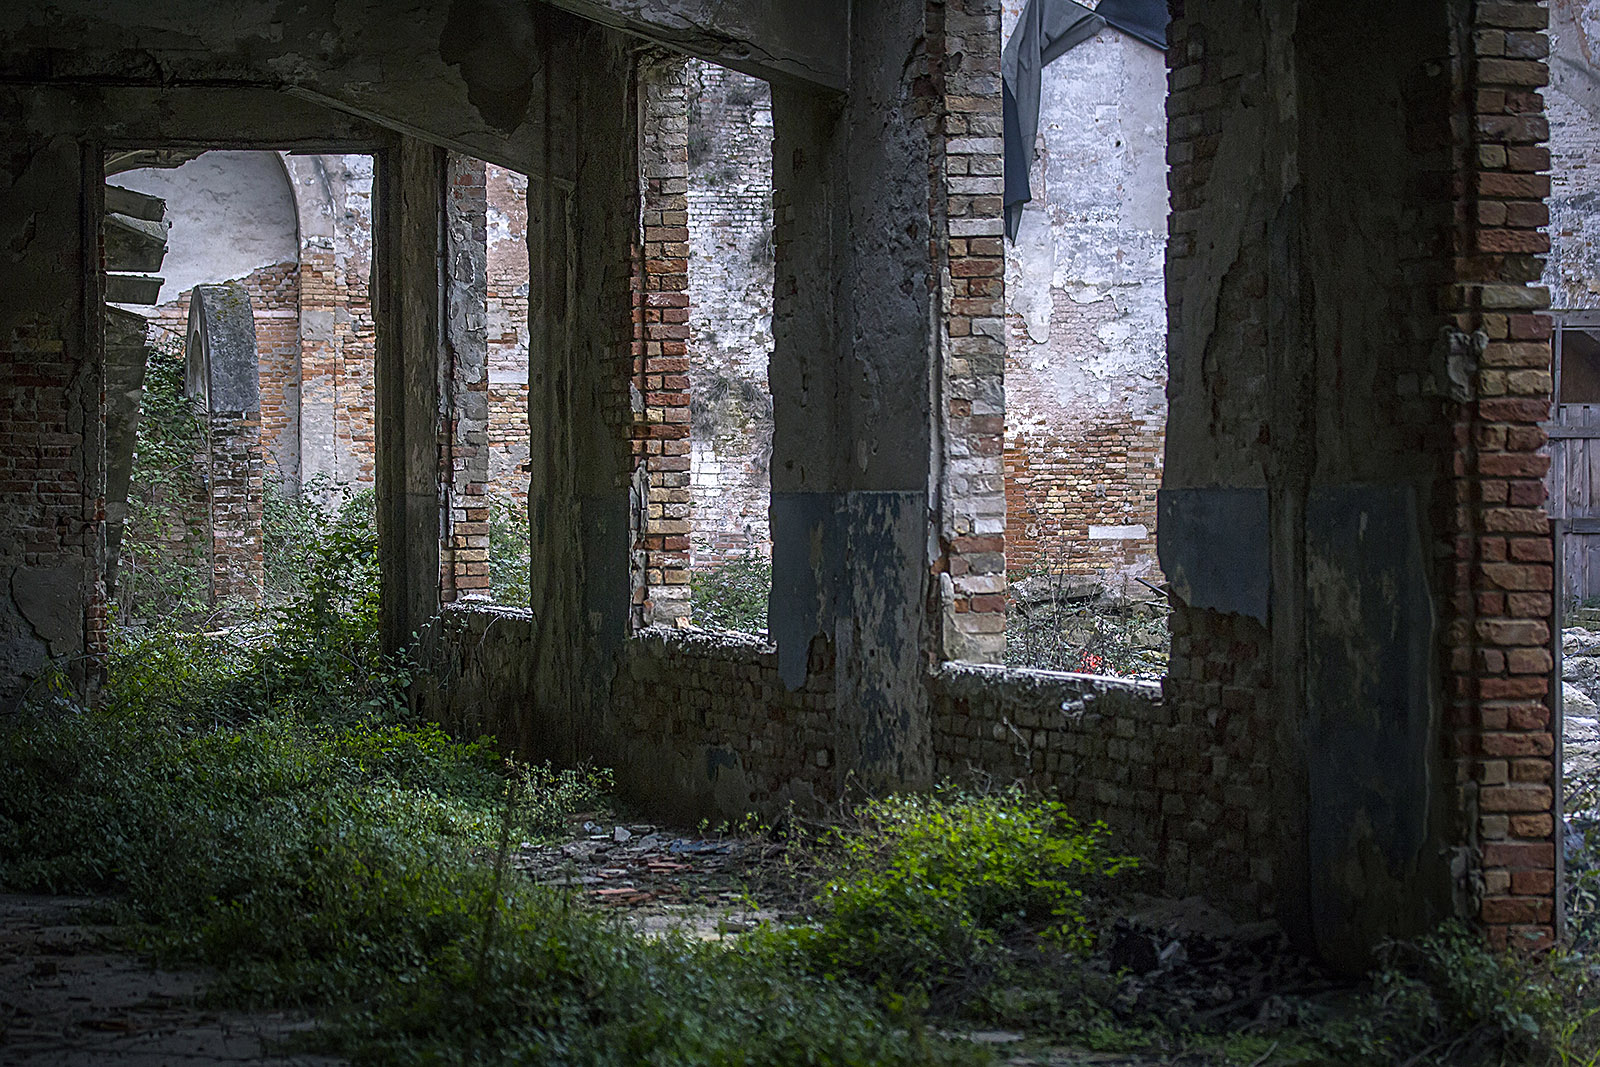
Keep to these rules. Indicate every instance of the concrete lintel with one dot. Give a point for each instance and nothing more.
(796, 41)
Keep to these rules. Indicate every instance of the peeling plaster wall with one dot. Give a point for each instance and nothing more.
(508, 333)
(336, 446)
(231, 213)
(52, 476)
(1086, 324)
(1572, 104)
(730, 293)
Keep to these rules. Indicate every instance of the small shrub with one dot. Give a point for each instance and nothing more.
(509, 552)
(930, 889)
(1449, 998)
(732, 595)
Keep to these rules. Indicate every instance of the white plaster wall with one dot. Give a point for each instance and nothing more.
(1086, 315)
(1572, 103)
(1094, 237)
(730, 290)
(231, 213)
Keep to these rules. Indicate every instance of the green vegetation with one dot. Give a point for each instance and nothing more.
(1583, 863)
(509, 552)
(732, 595)
(163, 574)
(271, 812)
(1448, 998)
(266, 805)
(970, 904)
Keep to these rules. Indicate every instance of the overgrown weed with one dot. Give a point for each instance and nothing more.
(271, 811)
(1449, 998)
(971, 905)
(732, 595)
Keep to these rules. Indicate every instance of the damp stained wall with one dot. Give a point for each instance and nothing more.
(231, 213)
(1086, 317)
(730, 319)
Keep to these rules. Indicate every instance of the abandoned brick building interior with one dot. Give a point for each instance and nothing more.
(680, 284)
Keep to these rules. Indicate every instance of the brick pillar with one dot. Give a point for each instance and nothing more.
(1499, 662)
(660, 374)
(235, 470)
(464, 422)
(223, 373)
(966, 194)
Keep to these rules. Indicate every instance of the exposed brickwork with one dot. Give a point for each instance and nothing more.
(1180, 791)
(507, 327)
(965, 199)
(698, 724)
(235, 468)
(464, 422)
(659, 391)
(1086, 503)
(1498, 667)
(731, 288)
(695, 693)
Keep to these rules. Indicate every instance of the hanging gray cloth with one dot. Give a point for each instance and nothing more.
(1046, 30)
(1144, 19)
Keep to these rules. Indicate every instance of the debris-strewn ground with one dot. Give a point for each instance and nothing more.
(1062, 622)
(1179, 962)
(708, 886)
(70, 996)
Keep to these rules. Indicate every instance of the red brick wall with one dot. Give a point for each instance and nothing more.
(660, 384)
(1059, 489)
(1498, 655)
(508, 333)
(965, 198)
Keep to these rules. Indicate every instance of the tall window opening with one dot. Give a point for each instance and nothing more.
(239, 410)
(1085, 367)
(730, 270)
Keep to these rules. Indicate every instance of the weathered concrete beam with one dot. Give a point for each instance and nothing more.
(469, 77)
(796, 41)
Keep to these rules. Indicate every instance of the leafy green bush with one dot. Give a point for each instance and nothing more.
(509, 552)
(343, 867)
(1449, 998)
(268, 812)
(163, 573)
(732, 595)
(929, 890)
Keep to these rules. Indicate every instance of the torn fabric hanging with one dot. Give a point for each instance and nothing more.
(1046, 30)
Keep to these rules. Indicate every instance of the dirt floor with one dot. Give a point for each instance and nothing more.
(72, 996)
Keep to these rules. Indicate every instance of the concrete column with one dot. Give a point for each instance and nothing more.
(409, 362)
(853, 370)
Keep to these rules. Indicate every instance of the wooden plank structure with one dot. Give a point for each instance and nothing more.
(1574, 478)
